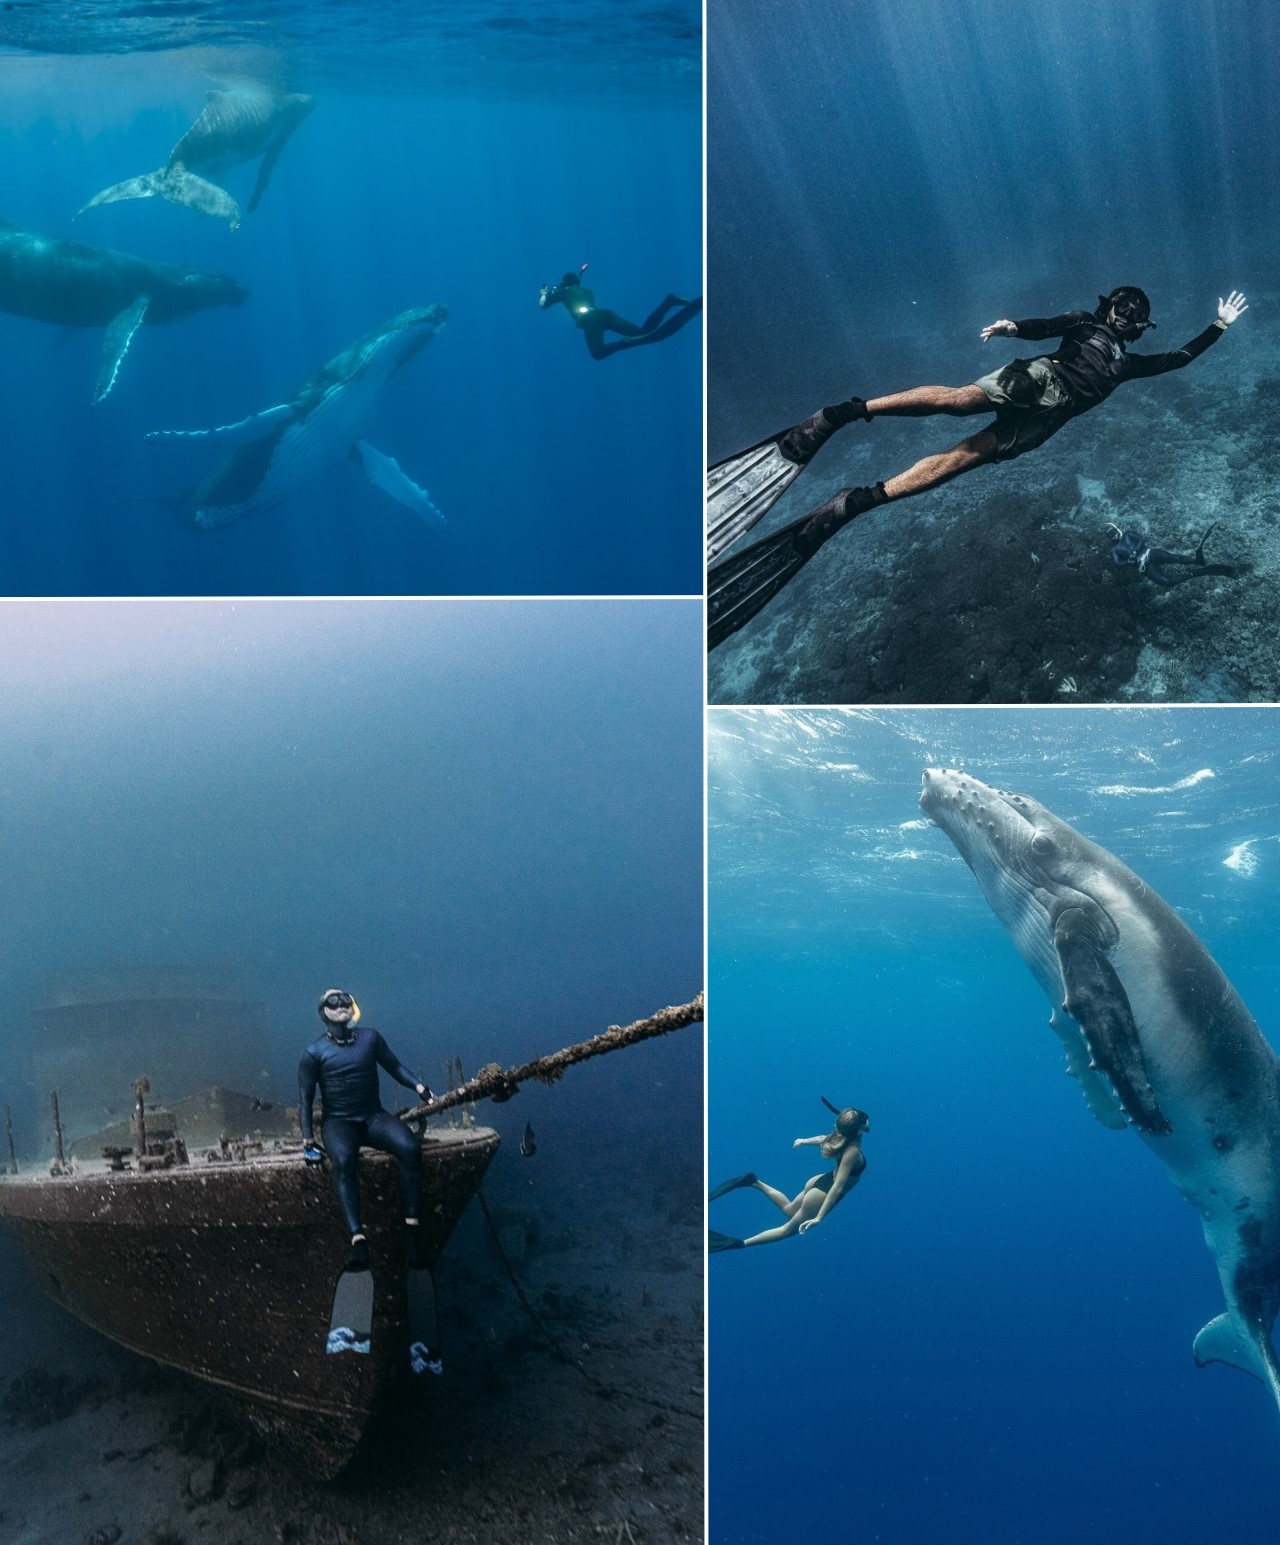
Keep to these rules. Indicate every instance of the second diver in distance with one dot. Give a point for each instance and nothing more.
(819, 1194)
(1135, 558)
(593, 321)
(1031, 399)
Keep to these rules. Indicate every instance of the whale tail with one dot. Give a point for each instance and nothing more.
(1223, 1341)
(179, 186)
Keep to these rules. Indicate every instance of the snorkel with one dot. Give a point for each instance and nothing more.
(850, 1121)
(1132, 311)
(340, 1012)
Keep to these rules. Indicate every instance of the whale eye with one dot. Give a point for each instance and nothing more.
(1041, 844)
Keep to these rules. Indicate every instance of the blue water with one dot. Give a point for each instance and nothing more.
(990, 1342)
(483, 817)
(465, 156)
(887, 177)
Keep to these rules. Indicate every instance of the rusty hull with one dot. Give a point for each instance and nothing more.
(226, 1271)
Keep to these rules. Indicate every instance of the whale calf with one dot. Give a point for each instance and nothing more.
(235, 126)
(1156, 1035)
(74, 285)
(282, 449)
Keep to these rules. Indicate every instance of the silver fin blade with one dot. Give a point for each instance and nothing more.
(742, 490)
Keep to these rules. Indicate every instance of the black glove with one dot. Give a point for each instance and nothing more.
(424, 1092)
(312, 1153)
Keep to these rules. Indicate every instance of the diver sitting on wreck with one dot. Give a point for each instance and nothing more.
(344, 1063)
(818, 1195)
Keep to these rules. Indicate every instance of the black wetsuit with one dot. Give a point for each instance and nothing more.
(347, 1075)
(594, 321)
(1133, 556)
(1092, 361)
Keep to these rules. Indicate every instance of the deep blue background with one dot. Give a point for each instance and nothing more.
(990, 1341)
(483, 817)
(472, 185)
(886, 177)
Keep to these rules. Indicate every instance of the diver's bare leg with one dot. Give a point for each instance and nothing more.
(920, 401)
(809, 1205)
(771, 1236)
(775, 1196)
(930, 471)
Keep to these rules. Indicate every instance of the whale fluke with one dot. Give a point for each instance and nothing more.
(236, 126)
(177, 185)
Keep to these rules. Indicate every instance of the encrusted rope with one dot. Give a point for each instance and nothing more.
(492, 1083)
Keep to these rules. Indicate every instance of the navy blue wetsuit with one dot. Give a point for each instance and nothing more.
(347, 1075)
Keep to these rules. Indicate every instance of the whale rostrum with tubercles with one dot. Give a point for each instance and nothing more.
(74, 285)
(282, 449)
(1155, 1034)
(236, 126)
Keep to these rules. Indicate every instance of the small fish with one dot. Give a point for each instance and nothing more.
(528, 1147)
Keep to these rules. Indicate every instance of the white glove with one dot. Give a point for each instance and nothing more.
(1230, 309)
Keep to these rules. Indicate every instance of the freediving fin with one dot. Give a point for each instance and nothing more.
(742, 489)
(718, 1242)
(745, 583)
(726, 1186)
(424, 1329)
(351, 1323)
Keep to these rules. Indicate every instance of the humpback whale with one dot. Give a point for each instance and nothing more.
(74, 285)
(235, 126)
(1155, 1034)
(280, 450)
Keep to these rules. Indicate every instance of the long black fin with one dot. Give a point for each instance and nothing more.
(424, 1328)
(1200, 545)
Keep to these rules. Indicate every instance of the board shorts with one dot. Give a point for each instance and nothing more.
(1031, 404)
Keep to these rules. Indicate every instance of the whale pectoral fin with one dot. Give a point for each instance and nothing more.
(146, 186)
(115, 345)
(265, 168)
(239, 433)
(1098, 1093)
(180, 186)
(384, 473)
(1095, 998)
(1221, 1342)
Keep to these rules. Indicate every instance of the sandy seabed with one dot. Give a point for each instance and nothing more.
(514, 1443)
